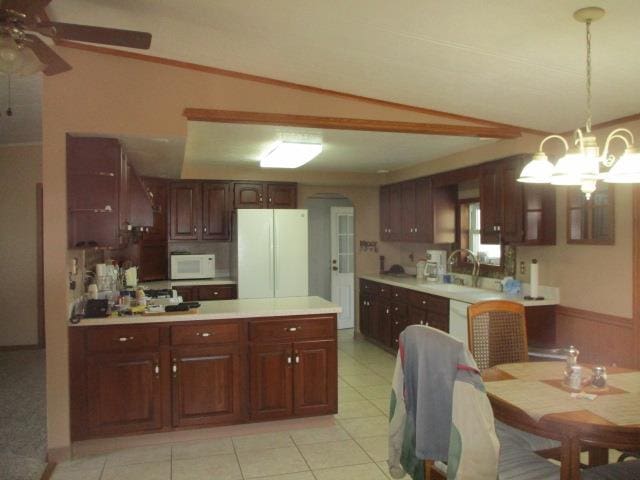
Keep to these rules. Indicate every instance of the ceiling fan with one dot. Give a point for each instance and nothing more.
(23, 53)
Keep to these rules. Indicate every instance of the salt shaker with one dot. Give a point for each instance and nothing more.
(572, 371)
(599, 378)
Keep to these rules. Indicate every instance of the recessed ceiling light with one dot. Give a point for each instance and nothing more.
(290, 155)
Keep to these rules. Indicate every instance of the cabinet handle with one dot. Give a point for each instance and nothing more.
(416, 230)
(395, 323)
(125, 339)
(195, 229)
(424, 302)
(174, 368)
(156, 370)
(270, 201)
(292, 329)
(204, 334)
(387, 310)
(396, 309)
(289, 359)
(216, 292)
(204, 229)
(297, 357)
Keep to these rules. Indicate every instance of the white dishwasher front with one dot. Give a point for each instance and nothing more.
(458, 321)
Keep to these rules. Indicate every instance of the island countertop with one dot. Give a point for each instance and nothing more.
(228, 309)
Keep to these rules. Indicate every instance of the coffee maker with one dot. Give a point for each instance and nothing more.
(436, 265)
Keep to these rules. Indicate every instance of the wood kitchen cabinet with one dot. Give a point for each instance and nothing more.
(199, 210)
(153, 264)
(265, 195)
(271, 373)
(197, 293)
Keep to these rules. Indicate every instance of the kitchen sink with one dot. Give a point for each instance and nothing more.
(449, 287)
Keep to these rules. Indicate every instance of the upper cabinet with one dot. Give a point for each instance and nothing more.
(415, 211)
(513, 212)
(105, 198)
(591, 222)
(264, 195)
(199, 210)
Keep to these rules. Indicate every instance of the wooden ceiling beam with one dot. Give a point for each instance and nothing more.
(339, 123)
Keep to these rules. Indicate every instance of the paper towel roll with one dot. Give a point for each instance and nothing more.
(534, 282)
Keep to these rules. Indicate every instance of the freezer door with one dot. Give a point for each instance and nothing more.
(291, 266)
(255, 253)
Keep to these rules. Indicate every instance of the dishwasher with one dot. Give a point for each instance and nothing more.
(458, 321)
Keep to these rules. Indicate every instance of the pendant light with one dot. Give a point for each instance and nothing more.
(580, 164)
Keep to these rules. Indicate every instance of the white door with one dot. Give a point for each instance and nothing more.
(291, 253)
(342, 263)
(255, 253)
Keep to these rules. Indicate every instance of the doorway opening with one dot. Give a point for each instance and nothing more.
(332, 252)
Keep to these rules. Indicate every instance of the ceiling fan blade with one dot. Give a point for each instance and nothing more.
(87, 33)
(54, 63)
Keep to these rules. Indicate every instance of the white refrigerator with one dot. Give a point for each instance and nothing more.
(271, 253)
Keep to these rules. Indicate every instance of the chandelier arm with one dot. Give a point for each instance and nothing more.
(578, 139)
(566, 145)
(609, 159)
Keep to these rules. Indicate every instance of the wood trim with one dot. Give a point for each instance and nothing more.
(40, 265)
(636, 272)
(593, 316)
(233, 116)
(48, 471)
(283, 83)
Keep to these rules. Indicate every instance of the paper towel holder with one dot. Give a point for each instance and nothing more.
(529, 297)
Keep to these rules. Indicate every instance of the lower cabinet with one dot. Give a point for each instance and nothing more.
(207, 292)
(156, 377)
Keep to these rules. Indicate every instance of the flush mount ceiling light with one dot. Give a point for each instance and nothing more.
(581, 163)
(290, 155)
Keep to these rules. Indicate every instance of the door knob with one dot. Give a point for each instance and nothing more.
(335, 269)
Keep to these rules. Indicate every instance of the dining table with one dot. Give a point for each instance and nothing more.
(532, 396)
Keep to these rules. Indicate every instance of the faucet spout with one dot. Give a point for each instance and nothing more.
(475, 276)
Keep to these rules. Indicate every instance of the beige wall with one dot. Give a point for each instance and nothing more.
(20, 171)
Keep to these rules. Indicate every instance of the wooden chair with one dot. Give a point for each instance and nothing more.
(497, 333)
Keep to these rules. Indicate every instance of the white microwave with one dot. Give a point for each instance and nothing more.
(193, 266)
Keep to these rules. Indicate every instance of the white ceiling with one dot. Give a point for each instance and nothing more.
(518, 62)
(343, 150)
(155, 157)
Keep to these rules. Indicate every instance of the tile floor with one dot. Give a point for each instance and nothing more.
(353, 448)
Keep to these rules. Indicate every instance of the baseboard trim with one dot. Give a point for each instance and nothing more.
(594, 316)
(48, 471)
(8, 348)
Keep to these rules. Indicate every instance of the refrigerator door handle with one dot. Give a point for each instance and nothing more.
(271, 260)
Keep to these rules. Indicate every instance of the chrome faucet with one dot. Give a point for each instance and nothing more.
(475, 275)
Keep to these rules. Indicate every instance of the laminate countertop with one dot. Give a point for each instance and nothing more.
(166, 284)
(229, 309)
(463, 293)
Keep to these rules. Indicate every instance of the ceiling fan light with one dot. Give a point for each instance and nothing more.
(538, 170)
(291, 155)
(626, 169)
(11, 56)
(30, 65)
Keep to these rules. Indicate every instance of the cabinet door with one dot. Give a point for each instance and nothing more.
(417, 316)
(365, 310)
(490, 204)
(282, 195)
(248, 195)
(216, 207)
(400, 320)
(424, 211)
(315, 377)
(140, 204)
(385, 320)
(439, 321)
(185, 210)
(512, 230)
(217, 292)
(153, 262)
(408, 213)
(206, 385)
(157, 232)
(271, 382)
(385, 213)
(123, 393)
(539, 214)
(188, 294)
(395, 212)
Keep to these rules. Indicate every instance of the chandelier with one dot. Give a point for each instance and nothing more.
(580, 164)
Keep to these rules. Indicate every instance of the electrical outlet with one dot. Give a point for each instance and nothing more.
(523, 268)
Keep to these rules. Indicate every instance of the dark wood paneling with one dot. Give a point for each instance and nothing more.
(157, 232)
(541, 326)
(315, 378)
(271, 374)
(408, 211)
(512, 230)
(395, 213)
(424, 210)
(206, 386)
(139, 200)
(601, 339)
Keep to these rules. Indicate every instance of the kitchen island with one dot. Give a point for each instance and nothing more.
(232, 361)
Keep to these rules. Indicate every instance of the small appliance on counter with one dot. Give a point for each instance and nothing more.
(185, 266)
(436, 265)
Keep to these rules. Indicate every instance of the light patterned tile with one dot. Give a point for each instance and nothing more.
(348, 394)
(333, 454)
(357, 409)
(368, 471)
(382, 404)
(353, 369)
(366, 427)
(220, 467)
(319, 435)
(95, 462)
(375, 391)
(216, 446)
(262, 441)
(93, 474)
(385, 469)
(138, 471)
(277, 461)
(155, 453)
(365, 380)
(376, 447)
(291, 476)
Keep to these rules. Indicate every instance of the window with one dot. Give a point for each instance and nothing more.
(487, 254)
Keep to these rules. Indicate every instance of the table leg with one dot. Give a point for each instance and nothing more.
(570, 459)
(598, 456)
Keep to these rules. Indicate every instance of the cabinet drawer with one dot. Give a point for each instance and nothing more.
(367, 286)
(291, 329)
(216, 292)
(118, 339)
(438, 305)
(418, 299)
(399, 294)
(384, 290)
(205, 334)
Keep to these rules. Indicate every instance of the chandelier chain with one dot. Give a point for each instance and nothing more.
(588, 125)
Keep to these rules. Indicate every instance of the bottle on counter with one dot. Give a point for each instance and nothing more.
(141, 299)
